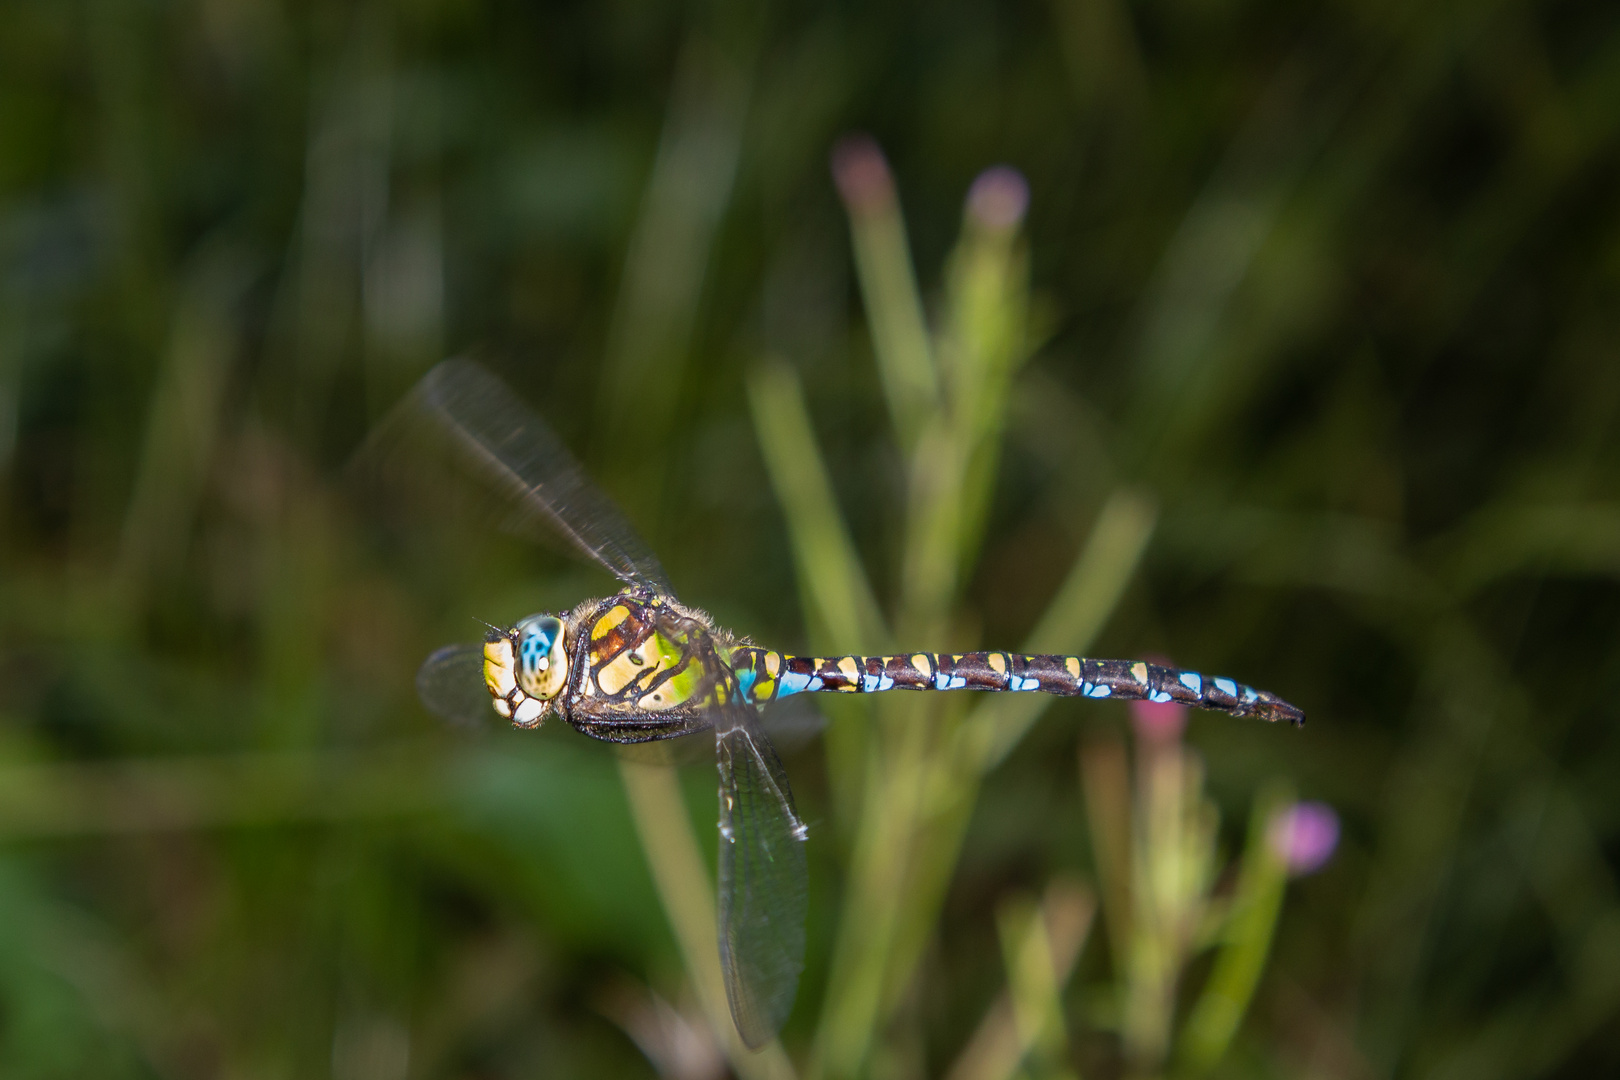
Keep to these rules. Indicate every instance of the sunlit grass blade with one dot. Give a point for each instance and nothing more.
(1105, 784)
(835, 590)
(1245, 942)
(889, 286)
(1041, 948)
(930, 565)
(676, 861)
(987, 337)
(831, 577)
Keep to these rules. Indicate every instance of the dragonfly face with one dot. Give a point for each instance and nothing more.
(632, 668)
(526, 667)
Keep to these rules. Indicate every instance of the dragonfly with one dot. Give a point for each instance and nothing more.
(640, 666)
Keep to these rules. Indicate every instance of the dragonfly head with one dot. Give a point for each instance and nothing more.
(526, 667)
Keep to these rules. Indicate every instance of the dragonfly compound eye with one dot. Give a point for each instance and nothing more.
(542, 661)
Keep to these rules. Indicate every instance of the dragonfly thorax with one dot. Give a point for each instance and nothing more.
(526, 667)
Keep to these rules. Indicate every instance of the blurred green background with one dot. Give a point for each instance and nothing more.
(1323, 306)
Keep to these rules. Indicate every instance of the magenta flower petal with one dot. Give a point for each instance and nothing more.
(862, 174)
(1304, 836)
(999, 198)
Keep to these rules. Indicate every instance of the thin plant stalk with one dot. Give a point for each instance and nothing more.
(1043, 945)
(1171, 869)
(922, 762)
(1245, 943)
(883, 261)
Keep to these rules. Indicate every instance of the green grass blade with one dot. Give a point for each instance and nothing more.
(894, 308)
(1246, 942)
(831, 579)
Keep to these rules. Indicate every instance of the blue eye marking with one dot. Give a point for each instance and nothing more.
(537, 636)
(534, 645)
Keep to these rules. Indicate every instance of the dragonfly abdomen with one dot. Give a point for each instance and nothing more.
(765, 675)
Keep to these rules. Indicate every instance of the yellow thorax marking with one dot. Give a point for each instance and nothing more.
(611, 618)
(619, 673)
(646, 660)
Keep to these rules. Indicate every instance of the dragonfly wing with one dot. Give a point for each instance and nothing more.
(762, 899)
(792, 722)
(451, 686)
(503, 442)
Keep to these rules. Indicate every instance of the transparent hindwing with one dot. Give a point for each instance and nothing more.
(762, 898)
(451, 684)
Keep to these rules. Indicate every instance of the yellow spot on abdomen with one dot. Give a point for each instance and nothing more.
(998, 663)
(1139, 673)
(848, 669)
(1072, 666)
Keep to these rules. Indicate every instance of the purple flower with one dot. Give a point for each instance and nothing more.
(998, 198)
(1304, 836)
(862, 175)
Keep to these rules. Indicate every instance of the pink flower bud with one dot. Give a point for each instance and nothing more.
(999, 198)
(1304, 836)
(1159, 723)
(862, 174)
